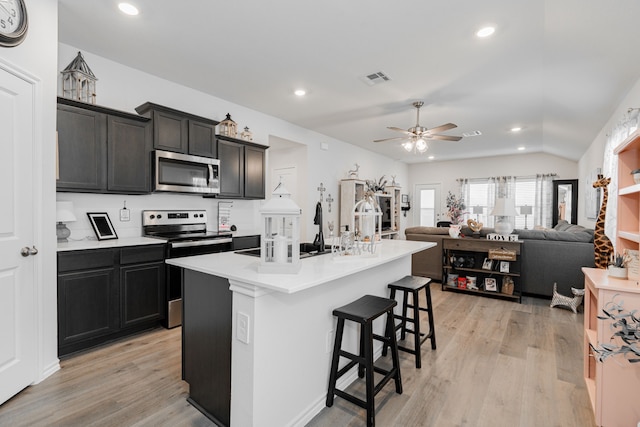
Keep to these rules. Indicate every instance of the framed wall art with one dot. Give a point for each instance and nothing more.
(102, 225)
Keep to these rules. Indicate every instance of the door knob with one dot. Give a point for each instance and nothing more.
(26, 251)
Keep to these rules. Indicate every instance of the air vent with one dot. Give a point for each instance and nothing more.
(474, 133)
(375, 78)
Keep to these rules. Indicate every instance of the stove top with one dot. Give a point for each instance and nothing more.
(175, 226)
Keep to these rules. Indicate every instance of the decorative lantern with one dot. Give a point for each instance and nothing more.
(78, 81)
(368, 223)
(280, 239)
(246, 134)
(228, 127)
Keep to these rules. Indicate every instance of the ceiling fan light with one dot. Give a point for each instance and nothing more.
(408, 146)
(421, 145)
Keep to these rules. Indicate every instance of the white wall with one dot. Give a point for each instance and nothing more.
(37, 56)
(594, 156)
(124, 88)
(446, 173)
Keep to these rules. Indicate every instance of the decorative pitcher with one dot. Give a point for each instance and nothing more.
(454, 230)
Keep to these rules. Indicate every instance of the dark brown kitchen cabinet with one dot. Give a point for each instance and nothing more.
(105, 294)
(101, 150)
(242, 168)
(180, 132)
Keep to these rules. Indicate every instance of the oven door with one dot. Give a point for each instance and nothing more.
(182, 173)
(174, 274)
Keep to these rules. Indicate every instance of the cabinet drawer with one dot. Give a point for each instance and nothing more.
(85, 260)
(479, 245)
(140, 254)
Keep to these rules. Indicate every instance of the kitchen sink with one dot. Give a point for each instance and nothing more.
(306, 250)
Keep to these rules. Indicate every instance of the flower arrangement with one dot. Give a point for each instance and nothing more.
(455, 208)
(618, 260)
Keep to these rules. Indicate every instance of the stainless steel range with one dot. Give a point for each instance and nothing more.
(186, 234)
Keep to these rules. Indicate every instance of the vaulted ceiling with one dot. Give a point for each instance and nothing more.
(555, 68)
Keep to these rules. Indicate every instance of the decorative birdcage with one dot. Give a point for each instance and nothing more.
(368, 223)
(228, 127)
(280, 238)
(78, 81)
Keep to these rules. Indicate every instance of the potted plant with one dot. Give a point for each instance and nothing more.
(618, 266)
(627, 328)
(636, 175)
(455, 212)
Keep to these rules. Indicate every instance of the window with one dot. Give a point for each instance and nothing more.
(534, 191)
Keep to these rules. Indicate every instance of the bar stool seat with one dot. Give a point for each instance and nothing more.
(364, 311)
(412, 285)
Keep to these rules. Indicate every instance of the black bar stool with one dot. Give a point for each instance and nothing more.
(412, 285)
(364, 311)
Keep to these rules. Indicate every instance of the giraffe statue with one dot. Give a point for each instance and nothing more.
(602, 244)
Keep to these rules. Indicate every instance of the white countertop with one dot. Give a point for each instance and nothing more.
(314, 271)
(112, 243)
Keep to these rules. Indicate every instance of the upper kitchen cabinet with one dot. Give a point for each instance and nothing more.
(101, 150)
(242, 168)
(180, 132)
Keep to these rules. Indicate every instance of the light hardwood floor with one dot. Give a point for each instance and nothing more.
(498, 363)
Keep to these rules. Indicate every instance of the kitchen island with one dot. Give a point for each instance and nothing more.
(281, 333)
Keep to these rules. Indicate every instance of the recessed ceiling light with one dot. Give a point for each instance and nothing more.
(516, 129)
(300, 92)
(521, 148)
(485, 32)
(128, 8)
(431, 157)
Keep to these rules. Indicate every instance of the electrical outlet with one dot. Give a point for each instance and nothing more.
(329, 341)
(242, 327)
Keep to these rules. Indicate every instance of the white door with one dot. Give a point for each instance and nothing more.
(17, 287)
(427, 197)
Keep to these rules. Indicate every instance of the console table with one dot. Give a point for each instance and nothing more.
(490, 262)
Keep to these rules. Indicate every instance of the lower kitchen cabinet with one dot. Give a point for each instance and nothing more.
(105, 294)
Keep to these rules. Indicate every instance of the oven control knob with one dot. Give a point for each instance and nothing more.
(152, 216)
(201, 215)
(159, 216)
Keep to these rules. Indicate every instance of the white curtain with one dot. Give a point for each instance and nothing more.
(544, 200)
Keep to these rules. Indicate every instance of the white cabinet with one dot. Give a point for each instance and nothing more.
(353, 190)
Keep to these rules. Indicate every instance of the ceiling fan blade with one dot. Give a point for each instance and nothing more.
(445, 137)
(400, 130)
(389, 139)
(442, 128)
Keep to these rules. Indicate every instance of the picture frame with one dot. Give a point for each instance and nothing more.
(490, 284)
(405, 198)
(504, 266)
(102, 225)
(487, 264)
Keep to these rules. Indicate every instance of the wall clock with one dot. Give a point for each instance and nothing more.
(13, 22)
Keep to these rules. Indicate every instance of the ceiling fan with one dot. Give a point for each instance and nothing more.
(416, 136)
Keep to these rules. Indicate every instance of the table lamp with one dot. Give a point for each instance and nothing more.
(64, 213)
(526, 210)
(477, 211)
(503, 210)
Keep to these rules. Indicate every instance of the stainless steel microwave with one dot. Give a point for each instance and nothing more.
(183, 173)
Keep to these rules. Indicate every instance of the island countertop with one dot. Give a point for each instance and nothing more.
(314, 271)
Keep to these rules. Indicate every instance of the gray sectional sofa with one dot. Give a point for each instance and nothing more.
(547, 256)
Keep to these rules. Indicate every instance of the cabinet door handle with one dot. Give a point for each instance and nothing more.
(26, 251)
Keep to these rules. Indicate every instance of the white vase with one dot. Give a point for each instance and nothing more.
(617, 272)
(454, 230)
